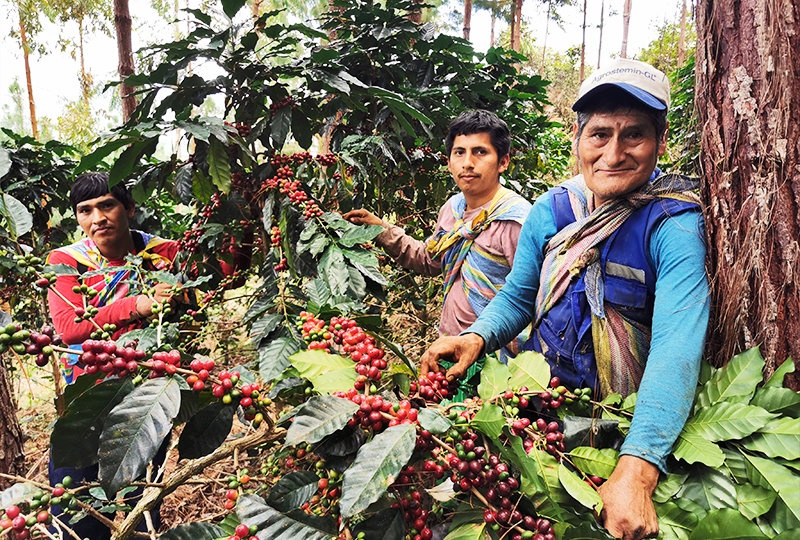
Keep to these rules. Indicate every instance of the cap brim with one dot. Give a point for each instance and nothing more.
(645, 97)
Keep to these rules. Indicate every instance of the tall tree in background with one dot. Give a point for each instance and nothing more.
(626, 21)
(91, 16)
(600, 26)
(29, 24)
(682, 41)
(583, 42)
(748, 98)
(495, 8)
(123, 23)
(467, 17)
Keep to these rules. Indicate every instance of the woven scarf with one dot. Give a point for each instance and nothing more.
(482, 273)
(115, 285)
(620, 344)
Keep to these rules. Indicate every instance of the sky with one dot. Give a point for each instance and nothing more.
(55, 75)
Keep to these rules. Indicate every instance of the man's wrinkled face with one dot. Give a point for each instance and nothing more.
(617, 153)
(104, 220)
(476, 167)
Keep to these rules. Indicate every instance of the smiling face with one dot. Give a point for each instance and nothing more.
(617, 153)
(105, 220)
(476, 168)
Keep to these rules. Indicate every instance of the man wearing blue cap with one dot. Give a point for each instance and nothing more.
(619, 292)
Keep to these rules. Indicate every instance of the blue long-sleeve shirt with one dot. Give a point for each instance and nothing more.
(680, 317)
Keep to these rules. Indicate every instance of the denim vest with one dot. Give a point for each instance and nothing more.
(564, 336)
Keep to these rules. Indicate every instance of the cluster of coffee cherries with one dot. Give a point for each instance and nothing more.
(474, 468)
(46, 279)
(369, 359)
(41, 345)
(285, 102)
(415, 515)
(313, 331)
(202, 368)
(242, 531)
(242, 129)
(328, 491)
(19, 526)
(326, 160)
(282, 266)
(434, 387)
(275, 236)
(557, 394)
(21, 341)
(106, 357)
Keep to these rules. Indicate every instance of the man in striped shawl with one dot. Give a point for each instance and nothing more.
(476, 235)
(610, 271)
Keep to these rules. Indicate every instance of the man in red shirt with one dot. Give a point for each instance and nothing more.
(104, 217)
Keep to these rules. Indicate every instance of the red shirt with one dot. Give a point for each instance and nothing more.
(119, 312)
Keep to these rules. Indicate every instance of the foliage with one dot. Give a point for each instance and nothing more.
(327, 408)
(683, 148)
(662, 52)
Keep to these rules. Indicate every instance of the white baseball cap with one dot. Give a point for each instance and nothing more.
(640, 80)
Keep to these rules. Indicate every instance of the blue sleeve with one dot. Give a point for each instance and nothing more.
(513, 308)
(680, 319)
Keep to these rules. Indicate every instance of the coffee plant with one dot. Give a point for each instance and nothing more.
(324, 424)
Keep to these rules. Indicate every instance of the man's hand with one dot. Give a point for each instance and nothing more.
(362, 217)
(628, 511)
(161, 292)
(464, 350)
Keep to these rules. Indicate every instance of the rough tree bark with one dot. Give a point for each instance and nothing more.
(748, 97)
(23, 36)
(12, 455)
(626, 22)
(122, 22)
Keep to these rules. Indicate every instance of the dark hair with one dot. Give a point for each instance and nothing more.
(92, 185)
(615, 100)
(480, 121)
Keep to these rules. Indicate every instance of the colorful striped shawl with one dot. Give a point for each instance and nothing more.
(482, 273)
(114, 285)
(620, 344)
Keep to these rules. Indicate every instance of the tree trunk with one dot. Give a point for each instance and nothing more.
(682, 38)
(516, 44)
(467, 17)
(546, 29)
(12, 455)
(85, 83)
(626, 21)
(415, 15)
(23, 36)
(600, 41)
(583, 42)
(512, 38)
(122, 22)
(491, 34)
(747, 99)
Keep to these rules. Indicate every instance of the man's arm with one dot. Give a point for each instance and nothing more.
(120, 313)
(665, 395)
(408, 252)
